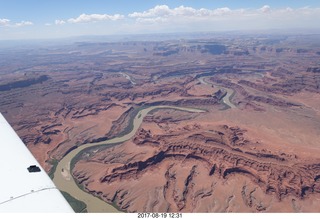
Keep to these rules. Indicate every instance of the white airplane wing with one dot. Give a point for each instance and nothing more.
(24, 185)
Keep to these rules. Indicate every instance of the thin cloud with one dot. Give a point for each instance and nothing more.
(23, 23)
(86, 18)
(4, 22)
(7, 23)
(188, 18)
(164, 19)
(181, 11)
(265, 9)
(159, 10)
(59, 22)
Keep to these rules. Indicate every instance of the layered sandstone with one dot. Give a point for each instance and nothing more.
(259, 154)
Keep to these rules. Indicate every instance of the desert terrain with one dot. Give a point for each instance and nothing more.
(235, 125)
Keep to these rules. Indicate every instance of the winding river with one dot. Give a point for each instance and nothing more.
(65, 182)
(128, 77)
(227, 98)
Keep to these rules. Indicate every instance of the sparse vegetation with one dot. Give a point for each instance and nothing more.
(77, 205)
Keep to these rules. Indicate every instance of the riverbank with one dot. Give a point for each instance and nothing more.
(63, 178)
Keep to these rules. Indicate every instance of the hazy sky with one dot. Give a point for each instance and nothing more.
(32, 19)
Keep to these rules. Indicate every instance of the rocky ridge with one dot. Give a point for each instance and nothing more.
(223, 153)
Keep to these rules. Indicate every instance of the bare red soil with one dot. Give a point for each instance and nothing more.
(260, 156)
